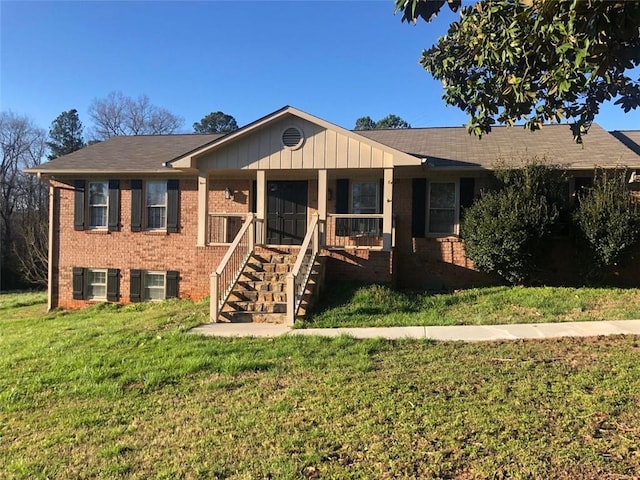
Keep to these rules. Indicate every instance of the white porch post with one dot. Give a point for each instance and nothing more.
(52, 247)
(387, 210)
(203, 207)
(322, 203)
(261, 206)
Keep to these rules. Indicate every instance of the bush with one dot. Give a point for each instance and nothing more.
(608, 218)
(504, 230)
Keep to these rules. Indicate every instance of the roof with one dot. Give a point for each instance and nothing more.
(127, 154)
(631, 138)
(453, 147)
(442, 147)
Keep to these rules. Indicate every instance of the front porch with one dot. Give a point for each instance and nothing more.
(299, 213)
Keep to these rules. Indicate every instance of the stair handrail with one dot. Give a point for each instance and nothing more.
(298, 278)
(230, 267)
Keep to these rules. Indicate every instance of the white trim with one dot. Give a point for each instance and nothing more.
(146, 206)
(143, 294)
(89, 205)
(89, 285)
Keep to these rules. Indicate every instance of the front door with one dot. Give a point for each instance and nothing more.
(286, 212)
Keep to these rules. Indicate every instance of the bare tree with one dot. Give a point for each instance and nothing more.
(118, 115)
(23, 145)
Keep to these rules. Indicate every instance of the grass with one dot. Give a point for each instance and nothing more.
(379, 306)
(124, 392)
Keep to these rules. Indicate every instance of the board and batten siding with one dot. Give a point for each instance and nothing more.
(322, 149)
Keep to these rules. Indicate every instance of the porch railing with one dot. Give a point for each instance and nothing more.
(227, 273)
(353, 230)
(299, 276)
(223, 227)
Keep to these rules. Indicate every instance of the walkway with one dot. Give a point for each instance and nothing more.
(465, 333)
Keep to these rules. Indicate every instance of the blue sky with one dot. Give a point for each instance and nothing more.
(336, 60)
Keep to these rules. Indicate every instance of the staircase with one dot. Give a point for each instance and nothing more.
(260, 294)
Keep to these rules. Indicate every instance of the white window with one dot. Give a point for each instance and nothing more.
(442, 208)
(154, 285)
(156, 204)
(98, 204)
(96, 284)
(364, 197)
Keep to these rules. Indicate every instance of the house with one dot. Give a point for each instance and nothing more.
(152, 217)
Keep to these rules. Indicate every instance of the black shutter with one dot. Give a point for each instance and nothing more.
(79, 187)
(173, 201)
(418, 207)
(136, 205)
(78, 283)
(114, 205)
(135, 285)
(342, 195)
(171, 288)
(381, 199)
(467, 194)
(254, 196)
(342, 206)
(113, 285)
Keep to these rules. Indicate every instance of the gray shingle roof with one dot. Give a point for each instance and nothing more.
(450, 147)
(443, 147)
(141, 153)
(631, 138)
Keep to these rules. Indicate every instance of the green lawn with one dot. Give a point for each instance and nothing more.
(124, 392)
(378, 306)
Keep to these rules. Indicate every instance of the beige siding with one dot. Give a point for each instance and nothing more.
(322, 149)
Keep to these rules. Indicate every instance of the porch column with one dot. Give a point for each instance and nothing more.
(261, 206)
(203, 207)
(322, 203)
(387, 210)
(51, 302)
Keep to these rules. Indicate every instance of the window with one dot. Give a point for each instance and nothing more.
(364, 198)
(156, 204)
(98, 204)
(96, 284)
(153, 285)
(441, 216)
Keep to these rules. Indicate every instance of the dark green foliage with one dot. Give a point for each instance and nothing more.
(536, 61)
(505, 230)
(390, 121)
(216, 122)
(608, 218)
(65, 134)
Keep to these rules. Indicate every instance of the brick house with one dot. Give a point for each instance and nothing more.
(152, 217)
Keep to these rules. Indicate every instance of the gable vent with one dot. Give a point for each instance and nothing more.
(292, 138)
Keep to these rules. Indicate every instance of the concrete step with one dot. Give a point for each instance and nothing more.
(260, 307)
(250, 317)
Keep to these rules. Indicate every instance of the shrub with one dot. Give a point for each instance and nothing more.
(608, 218)
(504, 230)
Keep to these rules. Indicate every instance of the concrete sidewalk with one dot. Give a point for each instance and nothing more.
(465, 333)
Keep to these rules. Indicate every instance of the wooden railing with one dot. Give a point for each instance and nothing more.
(353, 230)
(223, 227)
(227, 273)
(299, 276)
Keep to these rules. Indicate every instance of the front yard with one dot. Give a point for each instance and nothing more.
(378, 306)
(124, 392)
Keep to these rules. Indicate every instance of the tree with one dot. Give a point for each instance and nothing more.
(216, 122)
(608, 218)
(118, 114)
(23, 146)
(505, 230)
(536, 61)
(65, 134)
(365, 123)
(390, 121)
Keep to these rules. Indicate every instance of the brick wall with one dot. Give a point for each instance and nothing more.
(127, 250)
(359, 265)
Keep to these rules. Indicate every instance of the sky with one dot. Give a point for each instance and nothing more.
(333, 59)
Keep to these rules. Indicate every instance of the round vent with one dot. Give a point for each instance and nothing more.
(292, 138)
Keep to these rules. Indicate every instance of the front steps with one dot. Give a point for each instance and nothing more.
(260, 294)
